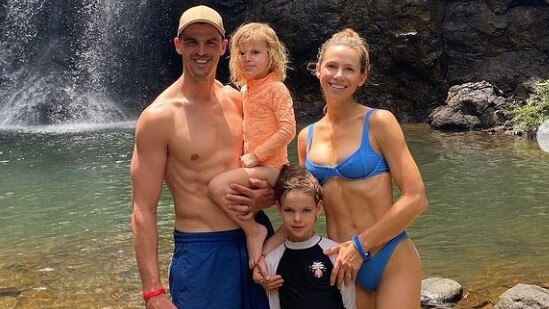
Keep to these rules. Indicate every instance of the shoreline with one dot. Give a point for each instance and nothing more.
(107, 275)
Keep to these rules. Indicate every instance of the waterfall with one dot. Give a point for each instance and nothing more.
(66, 61)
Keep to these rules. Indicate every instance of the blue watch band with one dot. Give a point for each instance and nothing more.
(358, 246)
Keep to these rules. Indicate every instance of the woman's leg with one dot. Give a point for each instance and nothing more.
(400, 285)
(364, 299)
(219, 186)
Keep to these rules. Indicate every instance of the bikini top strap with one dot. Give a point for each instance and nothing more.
(310, 129)
(366, 127)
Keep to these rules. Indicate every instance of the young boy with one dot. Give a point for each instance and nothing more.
(300, 259)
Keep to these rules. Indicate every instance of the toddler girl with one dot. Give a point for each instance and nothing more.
(258, 65)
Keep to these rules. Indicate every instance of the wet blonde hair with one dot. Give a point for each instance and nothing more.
(348, 37)
(278, 54)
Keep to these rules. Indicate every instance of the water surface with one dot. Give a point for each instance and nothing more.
(65, 206)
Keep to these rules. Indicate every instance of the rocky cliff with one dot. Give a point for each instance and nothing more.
(419, 48)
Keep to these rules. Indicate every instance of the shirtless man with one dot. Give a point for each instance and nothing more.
(189, 134)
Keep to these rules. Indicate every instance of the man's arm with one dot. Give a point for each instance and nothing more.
(147, 173)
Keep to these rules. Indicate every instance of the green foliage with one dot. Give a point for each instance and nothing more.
(529, 117)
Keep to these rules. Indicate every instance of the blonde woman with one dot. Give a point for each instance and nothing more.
(357, 153)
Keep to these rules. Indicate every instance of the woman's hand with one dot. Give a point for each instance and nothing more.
(261, 276)
(347, 263)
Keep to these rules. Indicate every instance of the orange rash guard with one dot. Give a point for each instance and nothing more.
(269, 121)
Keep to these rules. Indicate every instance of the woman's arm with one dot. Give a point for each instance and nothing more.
(389, 139)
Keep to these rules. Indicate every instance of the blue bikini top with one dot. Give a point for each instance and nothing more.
(362, 164)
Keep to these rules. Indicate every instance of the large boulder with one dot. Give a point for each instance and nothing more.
(524, 296)
(440, 292)
(471, 106)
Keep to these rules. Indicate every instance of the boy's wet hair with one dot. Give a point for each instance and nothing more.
(295, 177)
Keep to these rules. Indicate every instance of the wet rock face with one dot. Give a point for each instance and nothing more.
(419, 48)
(471, 106)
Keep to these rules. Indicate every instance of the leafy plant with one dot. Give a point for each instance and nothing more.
(529, 117)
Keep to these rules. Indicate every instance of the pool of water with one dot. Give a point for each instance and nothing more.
(65, 205)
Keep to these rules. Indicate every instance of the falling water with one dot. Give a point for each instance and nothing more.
(61, 61)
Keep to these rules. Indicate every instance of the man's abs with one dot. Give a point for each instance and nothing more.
(205, 219)
(194, 209)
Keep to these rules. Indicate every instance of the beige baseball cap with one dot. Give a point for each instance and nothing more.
(201, 14)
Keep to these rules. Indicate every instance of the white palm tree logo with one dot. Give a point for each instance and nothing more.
(318, 269)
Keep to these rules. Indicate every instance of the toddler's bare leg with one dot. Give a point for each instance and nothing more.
(255, 232)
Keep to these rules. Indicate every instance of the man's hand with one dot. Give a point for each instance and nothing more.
(244, 201)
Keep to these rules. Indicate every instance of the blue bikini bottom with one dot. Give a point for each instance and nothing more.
(371, 271)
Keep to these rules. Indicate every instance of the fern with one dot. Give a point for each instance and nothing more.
(529, 117)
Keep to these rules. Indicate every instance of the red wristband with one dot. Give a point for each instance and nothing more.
(152, 293)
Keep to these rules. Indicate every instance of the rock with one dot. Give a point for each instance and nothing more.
(524, 296)
(9, 292)
(446, 118)
(471, 106)
(440, 292)
(526, 88)
(475, 300)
